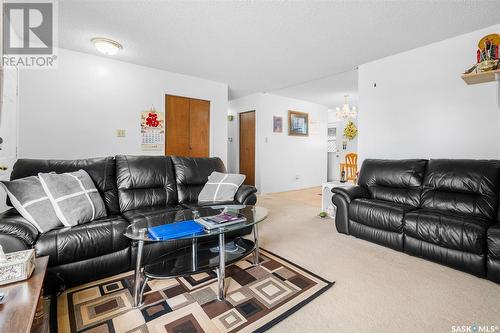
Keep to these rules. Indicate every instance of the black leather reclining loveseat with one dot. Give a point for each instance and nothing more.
(133, 188)
(446, 211)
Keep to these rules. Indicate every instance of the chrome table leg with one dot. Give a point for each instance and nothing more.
(138, 275)
(221, 271)
(141, 295)
(256, 254)
(194, 249)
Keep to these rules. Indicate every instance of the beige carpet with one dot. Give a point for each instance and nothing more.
(308, 196)
(376, 289)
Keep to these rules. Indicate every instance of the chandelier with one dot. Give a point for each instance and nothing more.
(346, 112)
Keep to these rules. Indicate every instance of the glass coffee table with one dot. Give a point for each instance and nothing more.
(208, 250)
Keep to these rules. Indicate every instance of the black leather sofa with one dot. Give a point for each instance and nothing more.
(133, 188)
(443, 210)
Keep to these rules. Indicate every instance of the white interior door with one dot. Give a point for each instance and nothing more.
(8, 125)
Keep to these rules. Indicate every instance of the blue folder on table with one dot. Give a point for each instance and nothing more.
(175, 230)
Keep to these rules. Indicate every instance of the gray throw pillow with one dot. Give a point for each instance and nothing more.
(30, 200)
(74, 197)
(221, 187)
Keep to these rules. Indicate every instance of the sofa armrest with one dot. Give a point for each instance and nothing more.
(16, 232)
(493, 241)
(246, 195)
(493, 258)
(352, 192)
(342, 197)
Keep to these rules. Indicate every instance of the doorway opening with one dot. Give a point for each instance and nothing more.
(247, 146)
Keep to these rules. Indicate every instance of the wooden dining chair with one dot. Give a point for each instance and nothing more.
(350, 167)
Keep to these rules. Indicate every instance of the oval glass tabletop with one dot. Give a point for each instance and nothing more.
(139, 230)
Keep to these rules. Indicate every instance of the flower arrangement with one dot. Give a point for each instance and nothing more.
(350, 130)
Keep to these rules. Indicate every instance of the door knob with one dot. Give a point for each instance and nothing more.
(3, 167)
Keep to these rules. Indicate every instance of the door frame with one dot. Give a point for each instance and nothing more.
(210, 123)
(254, 143)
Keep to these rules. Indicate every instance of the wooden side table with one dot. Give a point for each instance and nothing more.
(22, 301)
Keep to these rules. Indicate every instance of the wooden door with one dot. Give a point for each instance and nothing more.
(187, 126)
(199, 127)
(247, 146)
(177, 126)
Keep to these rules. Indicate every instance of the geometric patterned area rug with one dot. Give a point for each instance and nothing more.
(257, 298)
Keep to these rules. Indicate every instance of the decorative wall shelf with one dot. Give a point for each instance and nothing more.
(483, 77)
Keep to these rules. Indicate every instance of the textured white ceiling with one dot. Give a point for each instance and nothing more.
(327, 91)
(263, 46)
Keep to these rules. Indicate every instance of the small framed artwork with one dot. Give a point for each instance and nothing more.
(277, 124)
(298, 123)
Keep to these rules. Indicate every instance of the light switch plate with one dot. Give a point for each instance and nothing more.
(120, 133)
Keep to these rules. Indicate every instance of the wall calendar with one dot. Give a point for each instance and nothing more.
(152, 130)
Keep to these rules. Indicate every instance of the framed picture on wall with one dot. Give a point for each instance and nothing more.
(298, 123)
(277, 124)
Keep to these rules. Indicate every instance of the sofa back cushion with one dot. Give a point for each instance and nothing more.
(398, 181)
(145, 181)
(191, 174)
(101, 170)
(467, 187)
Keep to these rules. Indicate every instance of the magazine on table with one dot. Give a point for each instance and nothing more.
(223, 219)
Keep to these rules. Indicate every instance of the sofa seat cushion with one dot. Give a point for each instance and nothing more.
(83, 241)
(155, 215)
(464, 233)
(379, 214)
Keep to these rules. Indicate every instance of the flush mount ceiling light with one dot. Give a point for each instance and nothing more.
(106, 45)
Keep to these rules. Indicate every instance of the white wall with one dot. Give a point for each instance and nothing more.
(421, 108)
(9, 113)
(74, 111)
(280, 158)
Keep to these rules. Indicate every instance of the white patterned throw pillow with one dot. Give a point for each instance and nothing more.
(74, 197)
(221, 187)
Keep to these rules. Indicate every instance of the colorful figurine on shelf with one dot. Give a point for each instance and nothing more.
(487, 53)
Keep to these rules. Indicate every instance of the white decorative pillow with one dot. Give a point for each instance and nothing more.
(30, 200)
(221, 187)
(74, 197)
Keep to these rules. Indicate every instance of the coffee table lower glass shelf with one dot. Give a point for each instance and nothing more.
(197, 258)
(208, 250)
